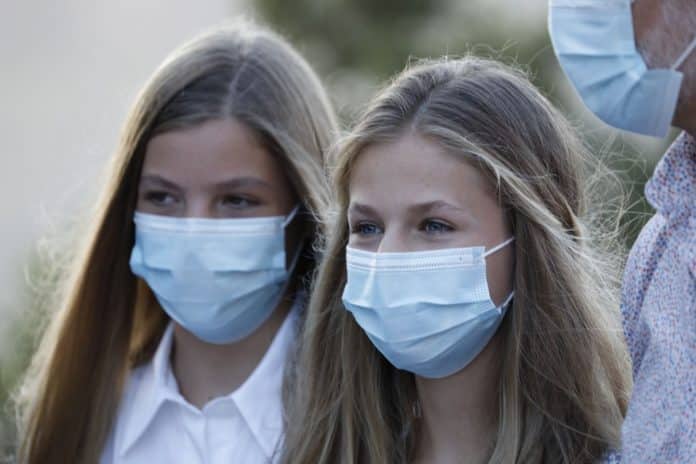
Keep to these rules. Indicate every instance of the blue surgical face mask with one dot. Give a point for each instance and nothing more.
(220, 279)
(427, 312)
(595, 44)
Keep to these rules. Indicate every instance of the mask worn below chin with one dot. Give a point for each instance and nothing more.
(220, 279)
(595, 45)
(427, 312)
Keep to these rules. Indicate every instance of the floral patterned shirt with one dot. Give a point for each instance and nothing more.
(659, 316)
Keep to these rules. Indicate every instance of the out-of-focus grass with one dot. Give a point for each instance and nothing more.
(22, 339)
(13, 363)
(15, 358)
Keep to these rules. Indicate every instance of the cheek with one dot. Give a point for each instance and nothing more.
(646, 16)
(140, 202)
(285, 201)
(283, 196)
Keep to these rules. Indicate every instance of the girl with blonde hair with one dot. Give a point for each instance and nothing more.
(180, 310)
(464, 311)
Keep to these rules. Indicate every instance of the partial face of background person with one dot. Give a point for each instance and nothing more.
(663, 30)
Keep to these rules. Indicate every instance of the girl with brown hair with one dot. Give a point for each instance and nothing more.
(179, 313)
(463, 311)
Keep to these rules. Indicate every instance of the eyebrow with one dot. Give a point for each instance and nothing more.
(155, 179)
(436, 205)
(239, 182)
(362, 209)
(418, 208)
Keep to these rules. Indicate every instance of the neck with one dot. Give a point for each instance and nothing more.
(206, 371)
(690, 128)
(459, 412)
(685, 115)
(686, 122)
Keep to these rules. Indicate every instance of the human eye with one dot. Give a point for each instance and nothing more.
(365, 228)
(238, 201)
(160, 198)
(435, 226)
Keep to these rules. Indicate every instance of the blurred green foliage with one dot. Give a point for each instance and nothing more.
(375, 39)
(22, 338)
(358, 44)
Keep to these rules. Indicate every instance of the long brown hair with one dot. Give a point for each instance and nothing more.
(108, 321)
(565, 373)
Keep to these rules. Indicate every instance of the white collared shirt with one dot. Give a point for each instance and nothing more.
(155, 424)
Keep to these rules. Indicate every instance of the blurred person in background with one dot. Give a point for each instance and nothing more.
(633, 63)
(466, 309)
(181, 309)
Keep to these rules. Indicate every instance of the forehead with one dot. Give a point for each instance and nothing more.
(414, 168)
(213, 150)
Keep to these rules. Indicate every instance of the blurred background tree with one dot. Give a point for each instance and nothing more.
(22, 339)
(358, 44)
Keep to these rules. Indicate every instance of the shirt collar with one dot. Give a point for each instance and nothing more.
(673, 185)
(259, 398)
(152, 388)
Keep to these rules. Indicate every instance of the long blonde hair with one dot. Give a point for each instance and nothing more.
(565, 372)
(109, 322)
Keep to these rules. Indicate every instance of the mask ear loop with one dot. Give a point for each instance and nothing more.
(508, 300)
(685, 55)
(291, 268)
(499, 247)
(496, 249)
(295, 258)
(290, 217)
